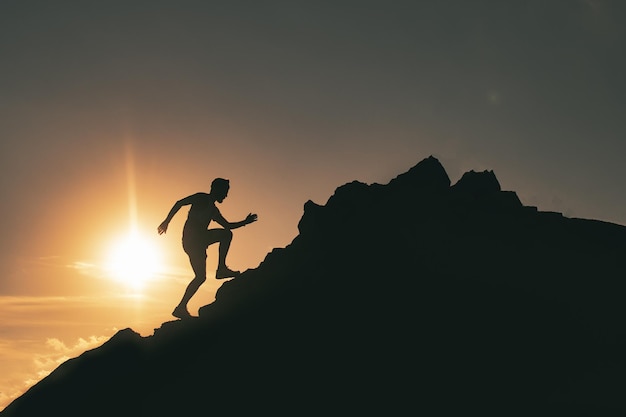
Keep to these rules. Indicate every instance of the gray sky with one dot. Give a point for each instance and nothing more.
(290, 99)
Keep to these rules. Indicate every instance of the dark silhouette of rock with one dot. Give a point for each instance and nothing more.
(427, 176)
(478, 183)
(410, 298)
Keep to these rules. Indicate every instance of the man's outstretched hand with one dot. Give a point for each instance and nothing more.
(162, 227)
(251, 218)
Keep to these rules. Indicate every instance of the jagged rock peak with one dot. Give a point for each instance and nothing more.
(426, 179)
(478, 183)
(428, 174)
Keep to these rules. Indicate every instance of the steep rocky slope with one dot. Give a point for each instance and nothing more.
(414, 297)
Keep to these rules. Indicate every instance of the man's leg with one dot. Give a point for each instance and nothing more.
(197, 258)
(224, 237)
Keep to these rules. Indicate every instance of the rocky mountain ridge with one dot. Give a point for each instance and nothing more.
(415, 296)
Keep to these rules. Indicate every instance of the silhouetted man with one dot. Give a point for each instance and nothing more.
(197, 237)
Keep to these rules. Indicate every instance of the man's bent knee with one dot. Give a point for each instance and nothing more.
(218, 235)
(224, 235)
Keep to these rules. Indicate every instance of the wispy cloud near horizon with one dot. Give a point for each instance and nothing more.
(40, 333)
(27, 361)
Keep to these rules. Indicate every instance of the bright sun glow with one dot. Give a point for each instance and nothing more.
(134, 260)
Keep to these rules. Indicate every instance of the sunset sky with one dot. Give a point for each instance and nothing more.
(110, 111)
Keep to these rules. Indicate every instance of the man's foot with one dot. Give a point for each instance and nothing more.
(181, 313)
(224, 272)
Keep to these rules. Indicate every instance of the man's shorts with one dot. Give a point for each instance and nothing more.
(195, 247)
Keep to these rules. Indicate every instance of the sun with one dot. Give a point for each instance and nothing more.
(133, 260)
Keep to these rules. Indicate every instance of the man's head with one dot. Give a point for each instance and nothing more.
(219, 189)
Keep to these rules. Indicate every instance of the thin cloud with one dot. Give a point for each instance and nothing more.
(37, 334)
(81, 344)
(83, 267)
(44, 358)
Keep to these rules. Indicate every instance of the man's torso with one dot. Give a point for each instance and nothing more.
(202, 211)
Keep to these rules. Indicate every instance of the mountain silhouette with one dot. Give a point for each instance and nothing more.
(415, 297)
